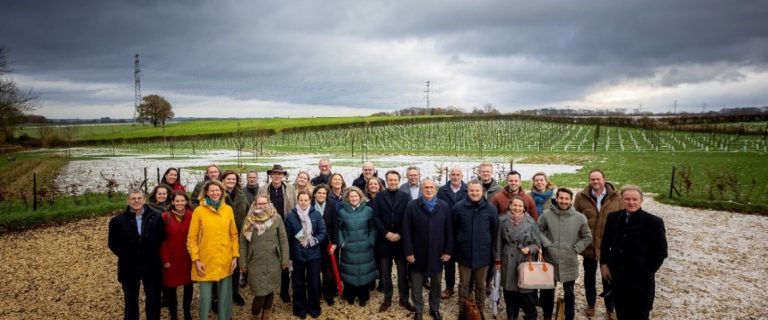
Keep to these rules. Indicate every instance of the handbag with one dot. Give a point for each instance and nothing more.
(535, 274)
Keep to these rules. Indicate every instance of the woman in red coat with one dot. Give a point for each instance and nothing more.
(174, 254)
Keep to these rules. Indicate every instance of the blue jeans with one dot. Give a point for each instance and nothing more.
(548, 301)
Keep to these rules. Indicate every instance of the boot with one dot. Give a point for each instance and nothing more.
(266, 314)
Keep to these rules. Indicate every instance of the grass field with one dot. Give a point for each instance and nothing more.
(203, 127)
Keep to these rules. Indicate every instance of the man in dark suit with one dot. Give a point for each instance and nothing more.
(135, 237)
(633, 249)
(427, 244)
(388, 211)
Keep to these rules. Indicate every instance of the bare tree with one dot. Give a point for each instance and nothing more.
(14, 102)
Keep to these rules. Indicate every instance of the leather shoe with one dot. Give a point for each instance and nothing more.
(435, 315)
(589, 311)
(447, 293)
(418, 316)
(407, 306)
(385, 305)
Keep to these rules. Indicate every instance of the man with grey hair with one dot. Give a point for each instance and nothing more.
(412, 186)
(634, 247)
(135, 237)
(251, 186)
(368, 171)
(325, 172)
(490, 186)
(427, 243)
(454, 191)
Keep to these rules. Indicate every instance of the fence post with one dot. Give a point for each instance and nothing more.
(158, 175)
(34, 191)
(672, 184)
(145, 180)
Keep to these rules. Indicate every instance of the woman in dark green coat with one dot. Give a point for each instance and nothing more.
(356, 239)
(263, 254)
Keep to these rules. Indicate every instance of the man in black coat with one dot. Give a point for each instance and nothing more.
(427, 242)
(369, 171)
(453, 191)
(476, 223)
(633, 249)
(135, 237)
(388, 211)
(325, 172)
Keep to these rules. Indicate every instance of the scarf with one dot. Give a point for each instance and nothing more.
(516, 220)
(210, 203)
(306, 226)
(541, 197)
(320, 207)
(179, 217)
(259, 219)
(430, 204)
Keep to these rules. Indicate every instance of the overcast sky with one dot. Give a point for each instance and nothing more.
(298, 58)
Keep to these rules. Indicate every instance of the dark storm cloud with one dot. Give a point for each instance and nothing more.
(378, 54)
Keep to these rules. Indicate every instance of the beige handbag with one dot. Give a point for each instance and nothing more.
(535, 274)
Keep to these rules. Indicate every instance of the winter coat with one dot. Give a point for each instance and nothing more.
(321, 179)
(501, 202)
(388, 217)
(361, 181)
(585, 204)
(357, 238)
(475, 226)
(289, 197)
(331, 219)
(239, 206)
(196, 193)
(292, 228)
(406, 187)
(509, 241)
(492, 190)
(138, 256)
(158, 207)
(564, 234)
(263, 256)
(250, 193)
(634, 251)
(446, 193)
(542, 199)
(213, 240)
(174, 250)
(427, 235)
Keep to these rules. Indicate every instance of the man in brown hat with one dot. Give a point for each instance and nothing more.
(283, 197)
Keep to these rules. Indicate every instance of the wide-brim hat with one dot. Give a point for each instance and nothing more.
(277, 169)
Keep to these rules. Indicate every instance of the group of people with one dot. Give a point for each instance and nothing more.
(324, 240)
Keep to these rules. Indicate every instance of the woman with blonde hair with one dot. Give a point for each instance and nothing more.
(213, 246)
(302, 182)
(264, 252)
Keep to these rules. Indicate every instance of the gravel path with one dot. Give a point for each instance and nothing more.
(716, 270)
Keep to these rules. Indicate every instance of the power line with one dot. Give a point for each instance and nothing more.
(137, 83)
(427, 94)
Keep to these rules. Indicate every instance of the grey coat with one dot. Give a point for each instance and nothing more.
(564, 234)
(289, 197)
(263, 256)
(509, 241)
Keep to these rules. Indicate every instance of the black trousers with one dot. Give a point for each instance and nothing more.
(516, 300)
(402, 278)
(306, 288)
(170, 296)
(152, 288)
(590, 279)
(360, 292)
(285, 282)
(548, 301)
